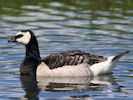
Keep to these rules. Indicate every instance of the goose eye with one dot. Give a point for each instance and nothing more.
(19, 36)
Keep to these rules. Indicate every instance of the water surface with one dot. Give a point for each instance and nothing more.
(103, 27)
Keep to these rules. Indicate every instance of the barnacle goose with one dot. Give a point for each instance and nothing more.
(68, 63)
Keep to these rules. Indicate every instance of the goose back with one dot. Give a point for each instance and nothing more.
(73, 57)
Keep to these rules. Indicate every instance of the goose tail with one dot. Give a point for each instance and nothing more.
(117, 57)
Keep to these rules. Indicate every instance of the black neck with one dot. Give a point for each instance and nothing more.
(32, 48)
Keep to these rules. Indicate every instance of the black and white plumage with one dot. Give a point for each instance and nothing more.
(72, 57)
(69, 63)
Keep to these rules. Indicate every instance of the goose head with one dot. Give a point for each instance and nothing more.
(27, 38)
(24, 37)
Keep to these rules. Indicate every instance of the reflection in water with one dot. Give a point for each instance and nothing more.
(29, 84)
(33, 86)
(55, 84)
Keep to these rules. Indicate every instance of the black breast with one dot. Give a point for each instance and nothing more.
(71, 58)
(29, 65)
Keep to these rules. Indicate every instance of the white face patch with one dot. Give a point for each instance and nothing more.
(25, 37)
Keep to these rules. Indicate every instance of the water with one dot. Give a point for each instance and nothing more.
(97, 26)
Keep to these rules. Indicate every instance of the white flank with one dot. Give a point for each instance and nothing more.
(78, 70)
(25, 38)
(75, 70)
(103, 67)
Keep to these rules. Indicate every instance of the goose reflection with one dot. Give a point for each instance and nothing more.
(29, 84)
(33, 86)
(60, 84)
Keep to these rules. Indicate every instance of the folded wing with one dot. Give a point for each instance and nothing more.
(72, 58)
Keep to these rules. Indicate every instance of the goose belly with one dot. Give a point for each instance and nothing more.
(73, 70)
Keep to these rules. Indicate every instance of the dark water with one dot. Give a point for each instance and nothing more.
(97, 26)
